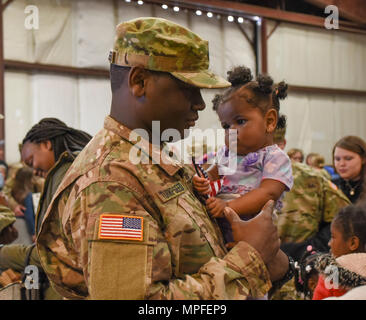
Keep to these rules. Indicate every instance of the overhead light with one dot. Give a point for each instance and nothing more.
(209, 14)
(140, 2)
(198, 12)
(256, 18)
(230, 18)
(127, 0)
(176, 9)
(164, 6)
(240, 20)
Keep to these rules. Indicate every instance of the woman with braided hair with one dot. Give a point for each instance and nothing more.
(47, 140)
(49, 148)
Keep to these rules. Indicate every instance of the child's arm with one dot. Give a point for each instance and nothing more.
(253, 202)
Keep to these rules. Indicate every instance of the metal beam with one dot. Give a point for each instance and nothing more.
(354, 10)
(264, 47)
(51, 68)
(250, 11)
(326, 91)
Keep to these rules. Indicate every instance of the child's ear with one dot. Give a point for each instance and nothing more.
(353, 243)
(271, 119)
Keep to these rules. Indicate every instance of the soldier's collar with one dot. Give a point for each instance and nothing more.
(160, 157)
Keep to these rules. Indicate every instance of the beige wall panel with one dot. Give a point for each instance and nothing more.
(55, 96)
(18, 41)
(53, 41)
(18, 112)
(94, 32)
(316, 122)
(309, 56)
(94, 103)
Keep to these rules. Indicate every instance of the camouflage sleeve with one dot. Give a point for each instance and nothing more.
(334, 200)
(7, 217)
(13, 256)
(117, 268)
(7, 191)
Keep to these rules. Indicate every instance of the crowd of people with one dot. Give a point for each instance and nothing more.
(105, 226)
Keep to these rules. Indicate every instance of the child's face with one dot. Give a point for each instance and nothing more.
(249, 121)
(338, 246)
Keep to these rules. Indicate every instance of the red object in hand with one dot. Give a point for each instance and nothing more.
(215, 187)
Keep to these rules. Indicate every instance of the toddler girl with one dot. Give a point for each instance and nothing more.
(263, 171)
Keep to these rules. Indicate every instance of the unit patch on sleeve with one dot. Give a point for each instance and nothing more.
(122, 227)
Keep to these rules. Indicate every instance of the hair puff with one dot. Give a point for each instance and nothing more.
(239, 76)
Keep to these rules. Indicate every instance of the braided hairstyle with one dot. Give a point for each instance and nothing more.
(265, 95)
(62, 137)
(305, 269)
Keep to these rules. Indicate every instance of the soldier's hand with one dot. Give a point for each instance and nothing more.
(259, 232)
(278, 266)
(8, 235)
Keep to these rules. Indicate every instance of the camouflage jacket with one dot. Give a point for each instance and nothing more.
(7, 217)
(176, 250)
(312, 200)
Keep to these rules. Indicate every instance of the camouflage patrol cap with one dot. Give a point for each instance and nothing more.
(161, 45)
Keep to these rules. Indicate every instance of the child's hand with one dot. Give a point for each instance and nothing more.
(216, 207)
(201, 185)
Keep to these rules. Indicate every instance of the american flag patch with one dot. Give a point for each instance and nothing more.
(121, 227)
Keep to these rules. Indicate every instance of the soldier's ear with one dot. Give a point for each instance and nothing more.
(137, 81)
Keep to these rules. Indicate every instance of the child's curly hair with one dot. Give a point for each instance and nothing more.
(265, 94)
(305, 270)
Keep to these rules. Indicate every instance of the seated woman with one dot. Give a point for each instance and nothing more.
(349, 158)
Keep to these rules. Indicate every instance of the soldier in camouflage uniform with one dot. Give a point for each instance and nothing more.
(7, 218)
(308, 209)
(125, 223)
